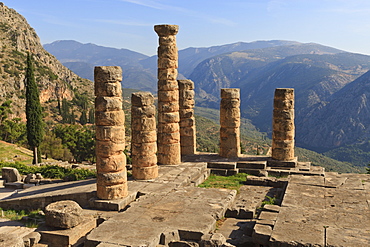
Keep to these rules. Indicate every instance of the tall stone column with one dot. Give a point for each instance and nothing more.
(169, 152)
(230, 123)
(144, 136)
(283, 125)
(110, 133)
(187, 119)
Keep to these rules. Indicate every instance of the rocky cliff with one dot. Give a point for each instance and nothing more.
(55, 81)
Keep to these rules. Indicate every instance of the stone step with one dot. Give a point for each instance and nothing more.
(278, 163)
(284, 173)
(252, 164)
(224, 172)
(15, 185)
(222, 165)
(2, 182)
(255, 172)
(304, 166)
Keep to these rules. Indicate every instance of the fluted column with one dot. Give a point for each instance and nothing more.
(283, 125)
(110, 133)
(187, 119)
(230, 123)
(169, 152)
(144, 136)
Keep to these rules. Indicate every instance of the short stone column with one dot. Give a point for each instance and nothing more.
(144, 136)
(283, 125)
(230, 123)
(169, 152)
(187, 119)
(110, 133)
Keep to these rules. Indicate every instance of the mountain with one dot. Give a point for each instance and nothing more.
(55, 81)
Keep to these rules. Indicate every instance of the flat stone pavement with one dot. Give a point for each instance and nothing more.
(339, 203)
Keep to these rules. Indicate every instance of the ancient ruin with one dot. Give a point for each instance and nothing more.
(311, 207)
(230, 123)
(169, 152)
(110, 134)
(143, 136)
(187, 118)
(283, 125)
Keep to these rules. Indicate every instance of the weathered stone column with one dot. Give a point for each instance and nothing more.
(169, 152)
(230, 123)
(187, 119)
(110, 133)
(283, 125)
(144, 136)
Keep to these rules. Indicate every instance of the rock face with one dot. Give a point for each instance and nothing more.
(144, 136)
(283, 125)
(169, 152)
(187, 118)
(63, 214)
(10, 174)
(54, 80)
(110, 133)
(230, 123)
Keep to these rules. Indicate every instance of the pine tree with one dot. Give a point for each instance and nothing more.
(33, 112)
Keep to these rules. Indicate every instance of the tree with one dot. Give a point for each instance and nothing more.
(368, 169)
(33, 112)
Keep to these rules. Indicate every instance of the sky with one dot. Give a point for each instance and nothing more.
(342, 24)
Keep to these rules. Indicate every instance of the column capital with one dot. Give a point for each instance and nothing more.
(166, 30)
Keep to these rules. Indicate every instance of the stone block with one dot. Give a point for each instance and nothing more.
(283, 114)
(111, 133)
(106, 74)
(219, 171)
(108, 148)
(113, 205)
(230, 93)
(168, 117)
(166, 30)
(145, 173)
(144, 160)
(143, 136)
(229, 103)
(111, 192)
(63, 214)
(252, 164)
(282, 154)
(186, 94)
(168, 96)
(142, 99)
(167, 51)
(282, 125)
(284, 104)
(186, 84)
(188, 150)
(261, 234)
(10, 239)
(230, 118)
(113, 163)
(183, 244)
(168, 237)
(108, 89)
(166, 62)
(147, 148)
(188, 140)
(283, 135)
(168, 106)
(10, 174)
(168, 138)
(109, 118)
(169, 128)
(143, 124)
(187, 103)
(112, 178)
(188, 122)
(167, 74)
(31, 239)
(167, 40)
(167, 85)
(68, 237)
(108, 103)
(221, 165)
(284, 93)
(255, 172)
(186, 113)
(286, 144)
(143, 111)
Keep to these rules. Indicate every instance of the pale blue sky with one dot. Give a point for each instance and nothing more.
(343, 24)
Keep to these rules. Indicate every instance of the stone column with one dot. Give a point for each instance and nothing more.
(283, 125)
(144, 136)
(169, 152)
(230, 123)
(187, 119)
(110, 133)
